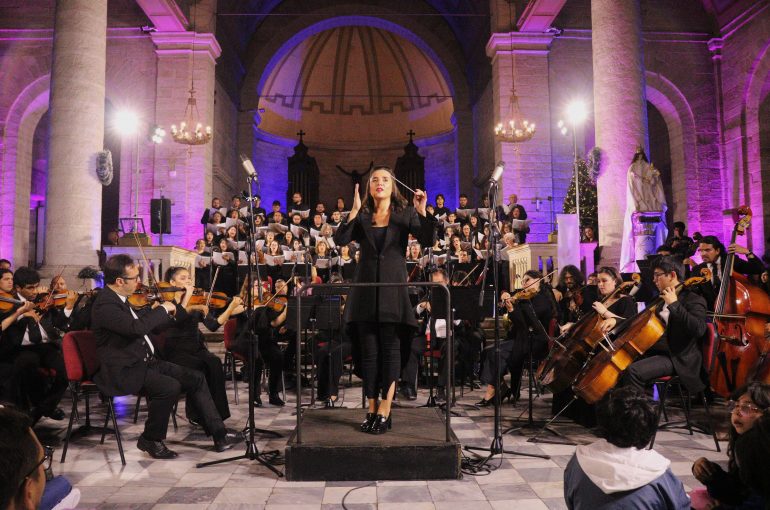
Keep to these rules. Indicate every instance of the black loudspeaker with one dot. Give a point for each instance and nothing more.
(160, 216)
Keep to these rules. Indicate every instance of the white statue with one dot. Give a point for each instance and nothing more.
(643, 194)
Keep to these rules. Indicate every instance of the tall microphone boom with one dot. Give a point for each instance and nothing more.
(498, 172)
(249, 167)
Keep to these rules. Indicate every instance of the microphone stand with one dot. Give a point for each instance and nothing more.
(496, 448)
(269, 458)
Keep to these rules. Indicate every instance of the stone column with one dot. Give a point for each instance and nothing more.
(73, 199)
(620, 110)
(528, 170)
(185, 175)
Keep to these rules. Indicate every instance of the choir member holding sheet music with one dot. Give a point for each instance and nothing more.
(258, 210)
(216, 206)
(520, 224)
(335, 219)
(276, 208)
(440, 211)
(347, 261)
(227, 260)
(323, 262)
(202, 264)
(216, 224)
(297, 205)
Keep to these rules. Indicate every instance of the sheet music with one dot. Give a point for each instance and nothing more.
(260, 244)
(304, 214)
(242, 261)
(482, 254)
(222, 259)
(520, 224)
(229, 222)
(273, 260)
(325, 263)
(235, 245)
(215, 228)
(298, 230)
(464, 213)
(244, 211)
(453, 226)
(278, 228)
(260, 231)
(202, 261)
(483, 212)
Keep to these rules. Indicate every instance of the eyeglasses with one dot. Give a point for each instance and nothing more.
(656, 275)
(130, 277)
(742, 407)
(47, 459)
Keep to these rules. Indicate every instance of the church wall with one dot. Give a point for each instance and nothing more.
(745, 66)
(228, 175)
(483, 139)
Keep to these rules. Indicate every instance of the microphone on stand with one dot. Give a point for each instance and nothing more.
(251, 172)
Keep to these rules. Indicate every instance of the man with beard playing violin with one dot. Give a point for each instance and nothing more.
(677, 352)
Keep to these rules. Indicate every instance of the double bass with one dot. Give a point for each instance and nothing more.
(741, 311)
(636, 336)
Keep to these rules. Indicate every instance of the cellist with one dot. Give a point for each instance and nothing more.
(677, 352)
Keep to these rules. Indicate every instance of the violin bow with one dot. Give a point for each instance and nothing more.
(151, 275)
(211, 288)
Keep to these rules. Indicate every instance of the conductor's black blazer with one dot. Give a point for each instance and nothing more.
(120, 342)
(386, 304)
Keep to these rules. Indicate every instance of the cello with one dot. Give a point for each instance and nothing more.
(741, 311)
(574, 348)
(636, 336)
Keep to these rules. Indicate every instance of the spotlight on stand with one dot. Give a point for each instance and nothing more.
(126, 122)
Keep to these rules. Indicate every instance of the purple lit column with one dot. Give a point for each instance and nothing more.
(74, 203)
(620, 110)
(186, 178)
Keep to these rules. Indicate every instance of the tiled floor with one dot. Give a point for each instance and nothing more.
(518, 482)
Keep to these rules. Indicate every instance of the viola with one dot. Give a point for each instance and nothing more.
(572, 350)
(637, 335)
(741, 311)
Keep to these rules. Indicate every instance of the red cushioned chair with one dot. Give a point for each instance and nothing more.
(664, 384)
(81, 362)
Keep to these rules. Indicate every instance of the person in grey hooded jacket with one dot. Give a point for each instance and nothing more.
(617, 472)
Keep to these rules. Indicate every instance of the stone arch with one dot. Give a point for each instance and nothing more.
(753, 187)
(680, 121)
(16, 173)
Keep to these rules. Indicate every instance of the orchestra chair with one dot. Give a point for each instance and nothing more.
(665, 384)
(81, 362)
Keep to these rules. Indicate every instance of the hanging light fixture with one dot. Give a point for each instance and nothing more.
(516, 128)
(190, 130)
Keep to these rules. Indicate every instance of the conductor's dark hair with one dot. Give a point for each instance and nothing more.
(115, 267)
(668, 264)
(715, 242)
(18, 454)
(626, 418)
(25, 276)
(397, 200)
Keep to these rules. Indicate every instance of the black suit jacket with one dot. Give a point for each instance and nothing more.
(386, 304)
(709, 291)
(120, 342)
(686, 326)
(53, 322)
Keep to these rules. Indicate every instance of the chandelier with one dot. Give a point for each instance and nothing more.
(190, 130)
(515, 129)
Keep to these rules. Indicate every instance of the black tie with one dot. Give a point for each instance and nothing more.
(35, 337)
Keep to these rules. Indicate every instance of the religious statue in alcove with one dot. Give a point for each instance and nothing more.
(355, 175)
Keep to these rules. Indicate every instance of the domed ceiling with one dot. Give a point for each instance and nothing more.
(356, 85)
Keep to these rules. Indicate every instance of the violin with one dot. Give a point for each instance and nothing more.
(45, 301)
(276, 302)
(573, 348)
(8, 302)
(638, 334)
(741, 310)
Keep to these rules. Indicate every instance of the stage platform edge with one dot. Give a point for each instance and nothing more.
(334, 449)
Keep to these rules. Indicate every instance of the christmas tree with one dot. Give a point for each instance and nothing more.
(588, 169)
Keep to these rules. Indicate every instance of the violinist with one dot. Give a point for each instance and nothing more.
(31, 343)
(714, 255)
(185, 345)
(678, 350)
(76, 314)
(530, 316)
(266, 319)
(571, 294)
(129, 362)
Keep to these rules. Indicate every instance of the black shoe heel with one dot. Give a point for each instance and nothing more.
(381, 424)
(366, 425)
